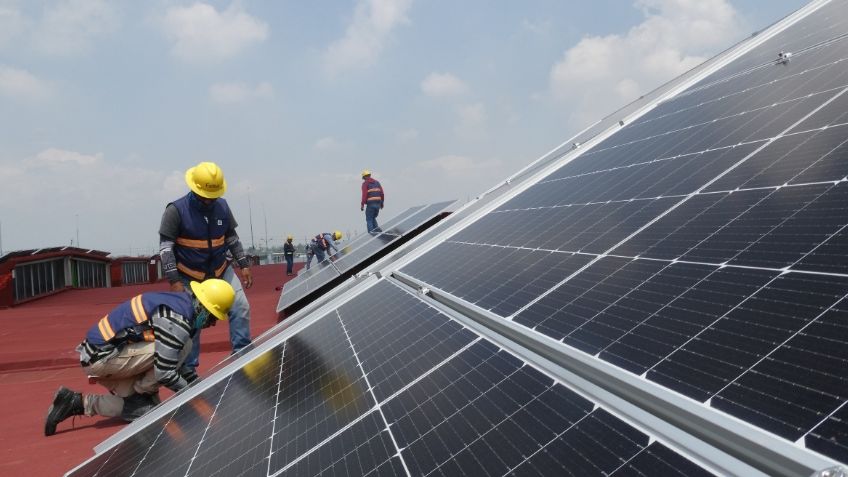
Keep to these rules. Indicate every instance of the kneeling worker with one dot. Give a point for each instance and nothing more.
(139, 346)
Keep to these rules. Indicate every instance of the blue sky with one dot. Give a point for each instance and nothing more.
(105, 104)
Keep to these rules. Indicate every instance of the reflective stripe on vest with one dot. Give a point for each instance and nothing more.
(138, 309)
(217, 242)
(105, 328)
(200, 275)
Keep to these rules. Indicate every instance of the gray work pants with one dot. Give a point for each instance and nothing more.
(127, 373)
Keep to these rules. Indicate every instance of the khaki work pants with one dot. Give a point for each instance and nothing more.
(127, 373)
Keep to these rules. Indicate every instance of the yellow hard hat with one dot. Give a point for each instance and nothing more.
(290, 237)
(206, 180)
(337, 235)
(215, 295)
(366, 172)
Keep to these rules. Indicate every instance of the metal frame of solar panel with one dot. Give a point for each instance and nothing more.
(357, 251)
(701, 246)
(419, 367)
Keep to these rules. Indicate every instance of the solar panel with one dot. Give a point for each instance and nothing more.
(349, 257)
(387, 385)
(689, 246)
(357, 251)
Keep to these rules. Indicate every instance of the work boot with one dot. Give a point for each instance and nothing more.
(66, 403)
(136, 406)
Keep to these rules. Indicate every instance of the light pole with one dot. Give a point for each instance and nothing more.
(265, 218)
(250, 212)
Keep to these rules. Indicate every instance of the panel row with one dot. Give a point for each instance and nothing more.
(387, 385)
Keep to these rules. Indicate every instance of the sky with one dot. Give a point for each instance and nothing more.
(104, 104)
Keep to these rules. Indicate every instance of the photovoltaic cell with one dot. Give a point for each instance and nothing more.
(798, 158)
(364, 449)
(830, 437)
(657, 459)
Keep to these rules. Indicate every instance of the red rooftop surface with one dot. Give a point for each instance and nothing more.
(38, 356)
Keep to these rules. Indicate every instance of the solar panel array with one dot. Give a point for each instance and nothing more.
(388, 385)
(699, 250)
(356, 252)
(702, 246)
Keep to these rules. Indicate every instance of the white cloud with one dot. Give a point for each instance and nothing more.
(440, 85)
(472, 120)
(202, 34)
(231, 93)
(407, 135)
(328, 143)
(366, 34)
(68, 27)
(541, 27)
(174, 184)
(12, 23)
(59, 157)
(457, 166)
(21, 84)
(99, 190)
(601, 74)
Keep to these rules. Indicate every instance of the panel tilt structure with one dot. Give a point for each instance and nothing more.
(664, 294)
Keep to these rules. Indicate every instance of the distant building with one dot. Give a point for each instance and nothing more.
(29, 274)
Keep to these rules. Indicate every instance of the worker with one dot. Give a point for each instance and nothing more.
(307, 250)
(288, 252)
(323, 243)
(372, 201)
(196, 232)
(138, 347)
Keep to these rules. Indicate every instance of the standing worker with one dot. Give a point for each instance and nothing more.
(288, 251)
(139, 346)
(196, 233)
(323, 243)
(372, 200)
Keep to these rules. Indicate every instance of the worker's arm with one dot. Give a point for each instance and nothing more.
(364, 195)
(172, 334)
(237, 250)
(169, 229)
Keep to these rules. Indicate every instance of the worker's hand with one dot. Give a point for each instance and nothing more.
(248, 278)
(361, 208)
(177, 286)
